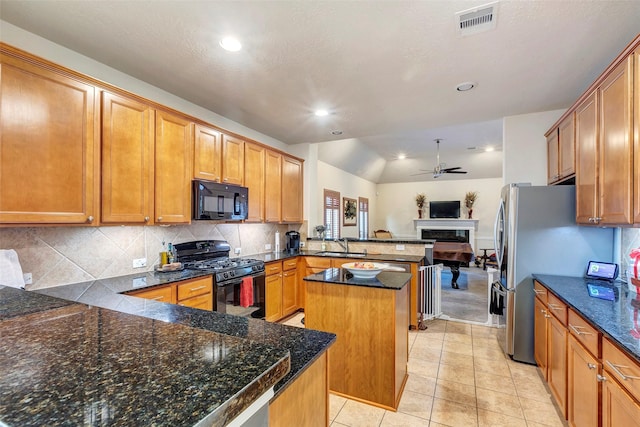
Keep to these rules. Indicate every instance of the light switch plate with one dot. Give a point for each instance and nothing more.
(28, 278)
(267, 246)
(399, 247)
(139, 262)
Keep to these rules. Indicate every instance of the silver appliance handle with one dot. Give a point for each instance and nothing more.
(498, 237)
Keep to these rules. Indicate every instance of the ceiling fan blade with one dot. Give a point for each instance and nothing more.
(450, 169)
(455, 171)
(421, 173)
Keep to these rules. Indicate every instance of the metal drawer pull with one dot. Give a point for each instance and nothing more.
(601, 378)
(547, 316)
(617, 371)
(197, 289)
(158, 298)
(538, 292)
(575, 329)
(591, 366)
(555, 307)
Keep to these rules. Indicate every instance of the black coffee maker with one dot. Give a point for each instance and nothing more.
(293, 242)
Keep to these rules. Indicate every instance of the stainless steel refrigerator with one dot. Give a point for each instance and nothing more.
(536, 232)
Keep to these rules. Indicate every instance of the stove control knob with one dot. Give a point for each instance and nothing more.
(226, 275)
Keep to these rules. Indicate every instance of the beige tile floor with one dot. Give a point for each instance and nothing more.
(458, 377)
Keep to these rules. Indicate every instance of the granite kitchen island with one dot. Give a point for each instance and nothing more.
(370, 318)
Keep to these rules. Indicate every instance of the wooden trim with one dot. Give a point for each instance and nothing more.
(102, 85)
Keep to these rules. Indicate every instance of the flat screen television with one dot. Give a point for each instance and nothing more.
(444, 209)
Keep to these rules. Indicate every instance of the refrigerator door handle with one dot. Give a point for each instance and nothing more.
(498, 234)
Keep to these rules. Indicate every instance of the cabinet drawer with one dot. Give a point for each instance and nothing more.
(203, 302)
(540, 291)
(273, 268)
(622, 367)
(290, 264)
(318, 262)
(557, 308)
(585, 333)
(161, 294)
(194, 287)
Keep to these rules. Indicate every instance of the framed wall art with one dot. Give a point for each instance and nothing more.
(349, 211)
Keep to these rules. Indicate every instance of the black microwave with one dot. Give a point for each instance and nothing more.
(215, 201)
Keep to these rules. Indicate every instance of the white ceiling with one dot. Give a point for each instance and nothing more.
(386, 70)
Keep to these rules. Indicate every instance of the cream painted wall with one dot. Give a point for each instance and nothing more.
(525, 147)
(396, 207)
(348, 185)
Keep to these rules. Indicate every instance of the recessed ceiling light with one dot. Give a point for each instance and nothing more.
(321, 113)
(489, 148)
(463, 87)
(336, 132)
(231, 44)
(402, 156)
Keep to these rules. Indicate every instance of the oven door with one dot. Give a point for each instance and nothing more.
(229, 300)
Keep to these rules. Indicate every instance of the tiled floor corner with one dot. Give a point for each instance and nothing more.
(458, 377)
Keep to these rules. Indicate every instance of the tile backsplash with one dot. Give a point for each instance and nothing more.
(62, 255)
(630, 240)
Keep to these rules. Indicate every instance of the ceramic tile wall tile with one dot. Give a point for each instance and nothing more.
(61, 255)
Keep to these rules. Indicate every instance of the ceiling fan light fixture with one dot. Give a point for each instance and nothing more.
(465, 86)
(336, 132)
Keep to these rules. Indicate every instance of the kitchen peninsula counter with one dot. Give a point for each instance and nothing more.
(370, 318)
(252, 355)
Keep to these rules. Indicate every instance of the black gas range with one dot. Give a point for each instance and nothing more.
(228, 274)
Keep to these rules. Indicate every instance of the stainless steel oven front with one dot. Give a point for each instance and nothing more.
(227, 294)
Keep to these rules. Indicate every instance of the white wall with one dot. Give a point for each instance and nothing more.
(396, 207)
(332, 178)
(525, 147)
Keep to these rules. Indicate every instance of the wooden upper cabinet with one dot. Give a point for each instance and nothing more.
(49, 146)
(291, 190)
(254, 156)
(616, 146)
(553, 149)
(232, 160)
(636, 137)
(587, 161)
(567, 147)
(127, 160)
(207, 157)
(273, 186)
(173, 154)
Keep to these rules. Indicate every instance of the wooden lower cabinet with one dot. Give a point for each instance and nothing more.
(540, 335)
(583, 385)
(618, 407)
(195, 293)
(273, 300)
(557, 362)
(289, 286)
(161, 294)
(281, 288)
(306, 401)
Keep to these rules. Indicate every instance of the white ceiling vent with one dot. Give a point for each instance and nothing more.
(478, 19)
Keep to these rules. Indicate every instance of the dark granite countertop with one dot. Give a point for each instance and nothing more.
(384, 280)
(615, 319)
(74, 364)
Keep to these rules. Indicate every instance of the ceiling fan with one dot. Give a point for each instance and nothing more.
(440, 168)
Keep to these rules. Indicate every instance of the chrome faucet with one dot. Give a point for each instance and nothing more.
(344, 245)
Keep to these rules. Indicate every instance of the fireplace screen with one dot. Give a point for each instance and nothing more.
(446, 235)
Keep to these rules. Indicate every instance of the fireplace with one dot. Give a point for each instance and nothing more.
(445, 235)
(448, 230)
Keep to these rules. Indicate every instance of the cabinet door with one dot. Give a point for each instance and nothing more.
(273, 187)
(636, 138)
(583, 387)
(540, 336)
(207, 153)
(173, 154)
(553, 148)
(289, 292)
(254, 180)
(273, 299)
(49, 146)
(291, 190)
(616, 146)
(232, 160)
(127, 160)
(566, 147)
(586, 161)
(161, 294)
(557, 360)
(618, 407)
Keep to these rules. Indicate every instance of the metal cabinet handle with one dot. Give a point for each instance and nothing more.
(578, 332)
(591, 366)
(197, 289)
(616, 369)
(146, 219)
(159, 218)
(597, 219)
(90, 219)
(554, 307)
(226, 179)
(601, 378)
(538, 292)
(547, 316)
(157, 298)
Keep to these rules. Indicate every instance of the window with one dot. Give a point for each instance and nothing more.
(363, 223)
(332, 214)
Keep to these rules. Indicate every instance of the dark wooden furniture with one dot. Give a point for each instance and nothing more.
(453, 255)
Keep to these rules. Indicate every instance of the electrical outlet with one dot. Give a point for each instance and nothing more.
(238, 250)
(399, 247)
(267, 247)
(139, 263)
(302, 244)
(139, 282)
(28, 278)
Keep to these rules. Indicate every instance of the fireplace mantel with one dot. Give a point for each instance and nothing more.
(448, 224)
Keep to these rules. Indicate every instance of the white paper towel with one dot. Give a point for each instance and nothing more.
(10, 269)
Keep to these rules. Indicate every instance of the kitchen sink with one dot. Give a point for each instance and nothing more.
(343, 254)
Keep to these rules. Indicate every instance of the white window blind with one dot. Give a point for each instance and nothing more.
(332, 214)
(363, 223)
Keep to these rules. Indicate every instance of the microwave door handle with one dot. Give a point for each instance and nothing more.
(236, 204)
(220, 206)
